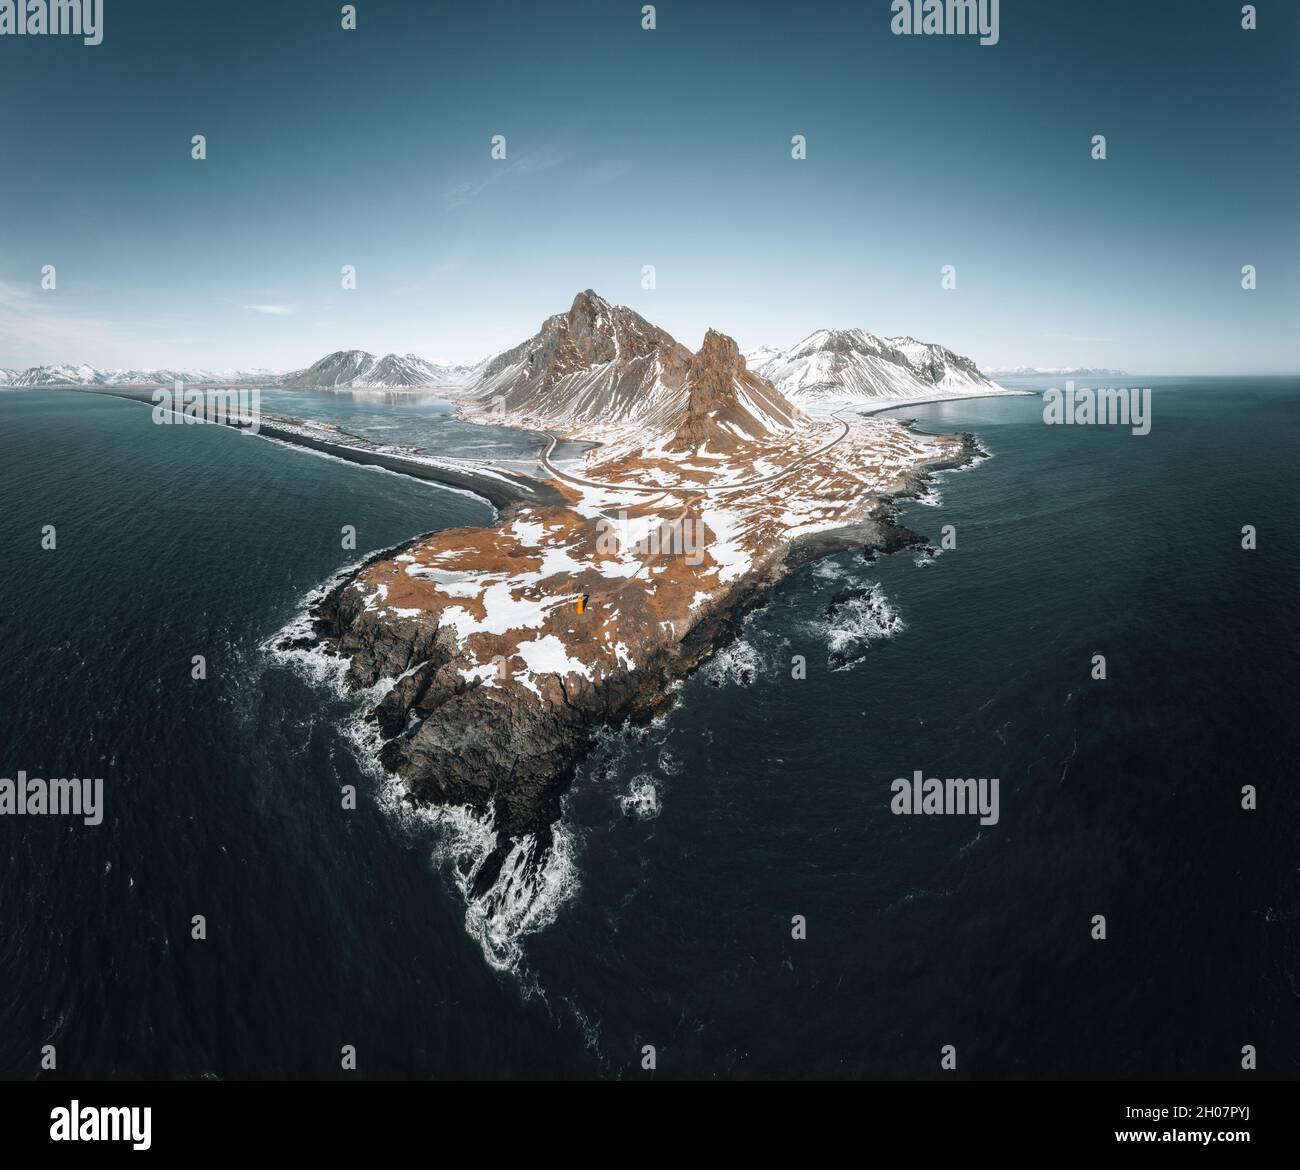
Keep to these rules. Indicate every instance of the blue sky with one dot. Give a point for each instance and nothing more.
(668, 148)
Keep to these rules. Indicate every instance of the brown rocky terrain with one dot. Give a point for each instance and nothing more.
(497, 680)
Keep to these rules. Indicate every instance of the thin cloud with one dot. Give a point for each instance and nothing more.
(272, 310)
(533, 162)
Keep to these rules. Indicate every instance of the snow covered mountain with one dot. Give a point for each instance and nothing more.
(351, 367)
(1061, 372)
(607, 366)
(340, 368)
(609, 369)
(410, 370)
(852, 364)
(595, 363)
(84, 375)
(357, 368)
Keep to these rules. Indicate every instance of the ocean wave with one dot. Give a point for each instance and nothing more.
(534, 884)
(737, 664)
(830, 570)
(313, 663)
(932, 479)
(535, 881)
(298, 646)
(854, 623)
(641, 801)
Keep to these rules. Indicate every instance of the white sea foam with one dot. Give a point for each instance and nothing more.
(641, 800)
(830, 570)
(857, 623)
(518, 903)
(738, 664)
(311, 660)
(669, 764)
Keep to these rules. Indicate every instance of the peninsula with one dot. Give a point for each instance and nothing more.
(502, 650)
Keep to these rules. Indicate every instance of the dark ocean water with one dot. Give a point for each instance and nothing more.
(328, 927)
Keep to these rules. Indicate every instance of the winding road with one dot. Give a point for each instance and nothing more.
(544, 458)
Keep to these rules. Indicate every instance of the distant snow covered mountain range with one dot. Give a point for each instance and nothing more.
(358, 369)
(1059, 372)
(606, 364)
(345, 368)
(83, 375)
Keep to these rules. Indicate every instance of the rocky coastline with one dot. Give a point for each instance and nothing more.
(452, 740)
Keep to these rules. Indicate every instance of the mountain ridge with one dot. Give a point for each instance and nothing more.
(1060, 371)
(85, 375)
(605, 365)
(595, 363)
(853, 364)
(360, 369)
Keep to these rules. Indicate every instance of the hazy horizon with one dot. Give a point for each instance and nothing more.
(379, 353)
(672, 148)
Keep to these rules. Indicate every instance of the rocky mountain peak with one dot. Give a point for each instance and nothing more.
(589, 307)
(591, 327)
(719, 350)
(601, 362)
(726, 402)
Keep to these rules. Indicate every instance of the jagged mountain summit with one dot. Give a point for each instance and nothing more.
(852, 364)
(606, 367)
(596, 363)
(358, 369)
(340, 368)
(56, 375)
(726, 402)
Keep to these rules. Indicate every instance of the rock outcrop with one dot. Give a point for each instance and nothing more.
(506, 751)
(726, 403)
